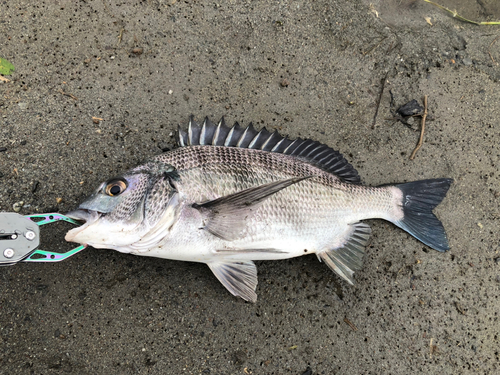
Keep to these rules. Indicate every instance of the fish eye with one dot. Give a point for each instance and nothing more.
(115, 187)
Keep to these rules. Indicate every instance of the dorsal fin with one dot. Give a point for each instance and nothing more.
(313, 152)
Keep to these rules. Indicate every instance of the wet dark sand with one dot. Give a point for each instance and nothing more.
(309, 69)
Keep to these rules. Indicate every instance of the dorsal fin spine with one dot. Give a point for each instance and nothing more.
(286, 151)
(242, 138)
(255, 139)
(321, 153)
(314, 150)
(216, 133)
(322, 161)
(203, 132)
(181, 136)
(322, 156)
(278, 144)
(229, 136)
(301, 153)
(190, 132)
(267, 141)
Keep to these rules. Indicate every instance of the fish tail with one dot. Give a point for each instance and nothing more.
(419, 199)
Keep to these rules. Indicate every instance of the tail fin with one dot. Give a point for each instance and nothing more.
(419, 199)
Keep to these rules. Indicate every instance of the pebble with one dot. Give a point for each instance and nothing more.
(17, 206)
(137, 51)
(23, 105)
(3, 149)
(467, 61)
(35, 186)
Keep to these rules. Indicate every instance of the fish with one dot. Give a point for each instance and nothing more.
(232, 195)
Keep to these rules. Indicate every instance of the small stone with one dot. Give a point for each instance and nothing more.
(467, 61)
(23, 143)
(284, 83)
(411, 108)
(17, 206)
(137, 51)
(23, 105)
(3, 149)
(35, 186)
(59, 200)
(170, 92)
(239, 357)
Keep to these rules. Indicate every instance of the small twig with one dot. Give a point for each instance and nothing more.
(456, 15)
(430, 347)
(374, 47)
(350, 324)
(422, 130)
(107, 9)
(379, 100)
(120, 36)
(489, 49)
(70, 95)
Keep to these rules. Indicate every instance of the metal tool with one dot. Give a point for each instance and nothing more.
(20, 237)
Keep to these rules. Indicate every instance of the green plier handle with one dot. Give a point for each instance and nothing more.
(20, 237)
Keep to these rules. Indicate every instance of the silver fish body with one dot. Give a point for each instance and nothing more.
(229, 196)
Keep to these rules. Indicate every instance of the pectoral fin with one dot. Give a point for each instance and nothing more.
(226, 217)
(240, 278)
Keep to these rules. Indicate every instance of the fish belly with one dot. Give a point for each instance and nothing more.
(287, 225)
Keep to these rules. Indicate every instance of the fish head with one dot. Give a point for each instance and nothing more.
(138, 207)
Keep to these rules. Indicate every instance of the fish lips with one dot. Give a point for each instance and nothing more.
(89, 217)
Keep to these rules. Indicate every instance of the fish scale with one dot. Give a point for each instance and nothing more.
(229, 172)
(229, 196)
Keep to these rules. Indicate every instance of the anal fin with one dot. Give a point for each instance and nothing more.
(348, 258)
(240, 278)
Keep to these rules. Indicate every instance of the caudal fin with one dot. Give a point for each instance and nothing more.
(419, 199)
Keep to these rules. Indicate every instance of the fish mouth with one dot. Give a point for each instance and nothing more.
(88, 217)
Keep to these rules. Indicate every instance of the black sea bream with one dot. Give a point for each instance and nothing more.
(228, 196)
